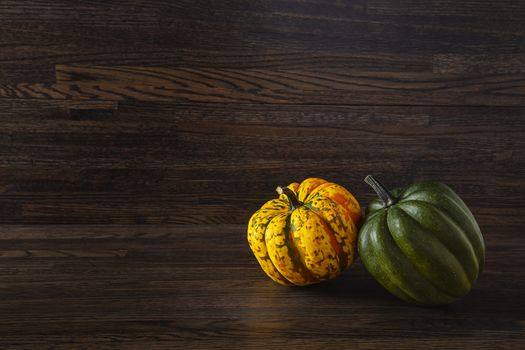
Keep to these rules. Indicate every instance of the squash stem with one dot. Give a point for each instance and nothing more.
(292, 199)
(381, 191)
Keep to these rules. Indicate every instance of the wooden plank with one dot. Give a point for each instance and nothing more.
(448, 14)
(360, 35)
(276, 87)
(42, 67)
(39, 109)
(201, 163)
(289, 86)
(488, 64)
(13, 72)
(162, 292)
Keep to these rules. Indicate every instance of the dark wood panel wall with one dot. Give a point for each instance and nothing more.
(216, 163)
(191, 112)
(137, 137)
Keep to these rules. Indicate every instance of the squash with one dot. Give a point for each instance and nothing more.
(421, 243)
(308, 234)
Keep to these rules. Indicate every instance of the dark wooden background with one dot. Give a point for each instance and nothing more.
(137, 137)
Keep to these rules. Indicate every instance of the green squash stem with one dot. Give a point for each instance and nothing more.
(381, 191)
(292, 199)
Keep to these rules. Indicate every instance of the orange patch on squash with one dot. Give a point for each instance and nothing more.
(333, 241)
(356, 218)
(339, 198)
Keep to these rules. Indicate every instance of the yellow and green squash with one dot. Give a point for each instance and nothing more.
(308, 234)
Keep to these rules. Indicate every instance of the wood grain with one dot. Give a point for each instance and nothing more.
(162, 293)
(137, 137)
(275, 86)
(202, 163)
(489, 64)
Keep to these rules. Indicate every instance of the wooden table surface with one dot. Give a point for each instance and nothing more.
(137, 138)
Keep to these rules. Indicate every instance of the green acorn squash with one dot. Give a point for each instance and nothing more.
(421, 243)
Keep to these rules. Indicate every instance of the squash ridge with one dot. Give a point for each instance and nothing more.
(461, 230)
(421, 274)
